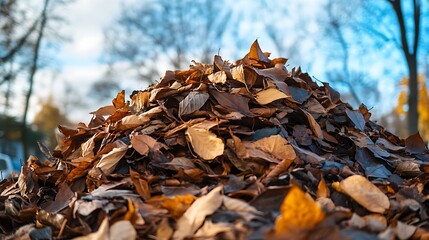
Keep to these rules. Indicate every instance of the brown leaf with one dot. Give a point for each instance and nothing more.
(140, 100)
(168, 77)
(143, 143)
(119, 101)
(257, 54)
(315, 127)
(177, 205)
(217, 77)
(209, 230)
(415, 144)
(356, 118)
(141, 185)
(88, 147)
(273, 149)
(314, 107)
(302, 135)
(196, 214)
(192, 102)
(105, 111)
(322, 189)
(233, 102)
(244, 75)
(205, 143)
(109, 161)
(164, 231)
(269, 95)
(365, 193)
(333, 94)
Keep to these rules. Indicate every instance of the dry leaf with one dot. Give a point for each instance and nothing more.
(109, 160)
(233, 102)
(141, 185)
(133, 121)
(177, 205)
(217, 77)
(119, 101)
(257, 54)
(273, 149)
(144, 143)
(210, 230)
(238, 205)
(357, 119)
(415, 144)
(315, 127)
(122, 230)
(298, 213)
(192, 102)
(322, 189)
(102, 232)
(238, 74)
(164, 231)
(88, 147)
(205, 143)
(105, 111)
(365, 193)
(404, 231)
(140, 100)
(196, 214)
(269, 95)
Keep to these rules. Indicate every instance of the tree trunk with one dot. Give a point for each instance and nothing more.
(410, 54)
(413, 114)
(33, 70)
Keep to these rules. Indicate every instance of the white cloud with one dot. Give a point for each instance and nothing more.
(86, 21)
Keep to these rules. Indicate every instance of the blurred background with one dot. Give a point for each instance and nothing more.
(60, 60)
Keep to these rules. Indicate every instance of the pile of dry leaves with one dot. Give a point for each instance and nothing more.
(227, 151)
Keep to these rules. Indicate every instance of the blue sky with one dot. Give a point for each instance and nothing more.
(77, 63)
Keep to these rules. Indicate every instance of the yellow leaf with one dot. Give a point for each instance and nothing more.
(298, 213)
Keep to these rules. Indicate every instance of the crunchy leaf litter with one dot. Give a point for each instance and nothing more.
(245, 150)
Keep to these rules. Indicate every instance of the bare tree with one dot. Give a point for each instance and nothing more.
(23, 49)
(288, 29)
(341, 37)
(387, 24)
(33, 68)
(168, 33)
(409, 48)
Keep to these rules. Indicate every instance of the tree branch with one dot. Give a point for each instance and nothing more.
(417, 14)
(20, 43)
(396, 4)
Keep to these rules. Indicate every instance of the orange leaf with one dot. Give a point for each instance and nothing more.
(298, 213)
(178, 204)
(119, 101)
(257, 54)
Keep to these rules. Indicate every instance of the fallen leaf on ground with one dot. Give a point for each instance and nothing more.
(298, 213)
(365, 193)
